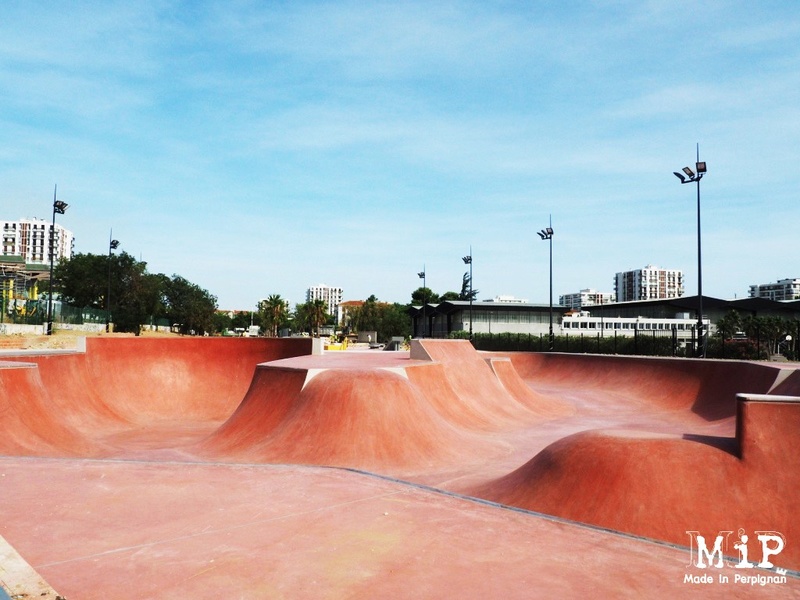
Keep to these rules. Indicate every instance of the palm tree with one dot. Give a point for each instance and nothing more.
(274, 310)
(317, 314)
(300, 318)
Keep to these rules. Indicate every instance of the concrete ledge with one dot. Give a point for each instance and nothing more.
(19, 580)
(766, 398)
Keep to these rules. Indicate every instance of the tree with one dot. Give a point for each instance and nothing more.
(300, 318)
(188, 306)
(138, 296)
(387, 320)
(774, 330)
(84, 281)
(424, 295)
(222, 322)
(395, 322)
(767, 331)
(728, 325)
(317, 314)
(368, 315)
(273, 313)
(467, 293)
(310, 316)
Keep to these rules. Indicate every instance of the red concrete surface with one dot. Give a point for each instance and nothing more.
(261, 531)
(127, 394)
(472, 382)
(510, 379)
(186, 468)
(645, 482)
(707, 388)
(28, 425)
(362, 418)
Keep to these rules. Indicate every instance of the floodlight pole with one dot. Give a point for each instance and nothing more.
(421, 275)
(60, 208)
(702, 334)
(468, 260)
(547, 234)
(695, 177)
(112, 245)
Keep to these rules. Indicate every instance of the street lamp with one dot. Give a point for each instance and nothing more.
(421, 275)
(60, 208)
(547, 234)
(787, 343)
(112, 245)
(468, 261)
(695, 177)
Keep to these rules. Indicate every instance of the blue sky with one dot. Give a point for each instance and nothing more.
(259, 148)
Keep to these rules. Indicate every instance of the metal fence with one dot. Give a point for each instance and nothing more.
(650, 343)
(23, 312)
(646, 343)
(34, 312)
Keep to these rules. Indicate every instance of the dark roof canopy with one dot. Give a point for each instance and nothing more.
(754, 306)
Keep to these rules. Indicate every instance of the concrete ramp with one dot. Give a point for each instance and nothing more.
(474, 389)
(510, 379)
(372, 413)
(28, 425)
(252, 468)
(147, 379)
(788, 383)
(707, 388)
(367, 419)
(73, 393)
(272, 395)
(660, 486)
(125, 393)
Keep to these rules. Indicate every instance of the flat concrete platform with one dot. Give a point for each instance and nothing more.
(122, 529)
(251, 469)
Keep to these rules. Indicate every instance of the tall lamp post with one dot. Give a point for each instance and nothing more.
(112, 245)
(60, 208)
(547, 234)
(421, 275)
(695, 177)
(468, 261)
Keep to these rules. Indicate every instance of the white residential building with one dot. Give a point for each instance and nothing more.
(587, 297)
(30, 239)
(507, 300)
(649, 283)
(332, 296)
(784, 289)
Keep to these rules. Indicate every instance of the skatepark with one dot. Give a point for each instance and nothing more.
(252, 468)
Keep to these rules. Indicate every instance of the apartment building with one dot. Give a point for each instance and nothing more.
(648, 283)
(587, 297)
(30, 240)
(784, 289)
(332, 296)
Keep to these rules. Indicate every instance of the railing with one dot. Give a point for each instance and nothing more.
(23, 312)
(34, 312)
(642, 343)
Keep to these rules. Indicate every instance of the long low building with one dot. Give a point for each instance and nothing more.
(442, 319)
(585, 322)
